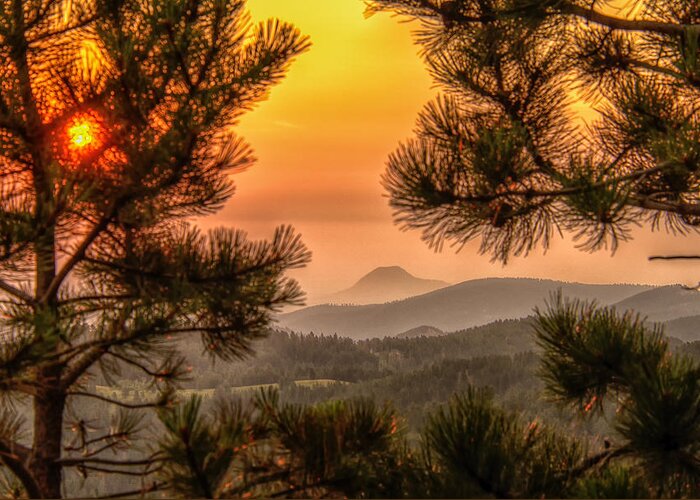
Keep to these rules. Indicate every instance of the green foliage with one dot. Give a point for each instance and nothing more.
(199, 451)
(500, 155)
(590, 353)
(350, 448)
(612, 482)
(98, 268)
(486, 451)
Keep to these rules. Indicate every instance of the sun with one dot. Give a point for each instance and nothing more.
(83, 133)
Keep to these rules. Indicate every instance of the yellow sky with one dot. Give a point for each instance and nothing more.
(322, 140)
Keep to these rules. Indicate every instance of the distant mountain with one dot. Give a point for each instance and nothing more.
(687, 329)
(665, 303)
(385, 284)
(456, 307)
(421, 331)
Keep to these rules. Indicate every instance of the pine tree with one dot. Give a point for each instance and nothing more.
(500, 155)
(591, 358)
(116, 124)
(338, 448)
(594, 357)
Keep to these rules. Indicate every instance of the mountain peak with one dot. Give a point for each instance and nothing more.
(385, 273)
(385, 284)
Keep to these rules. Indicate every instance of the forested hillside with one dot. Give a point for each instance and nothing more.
(414, 374)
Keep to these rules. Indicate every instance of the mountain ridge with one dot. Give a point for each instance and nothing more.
(467, 304)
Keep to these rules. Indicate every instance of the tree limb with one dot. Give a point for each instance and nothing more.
(76, 257)
(88, 442)
(134, 406)
(88, 359)
(12, 456)
(674, 257)
(13, 290)
(71, 462)
(617, 23)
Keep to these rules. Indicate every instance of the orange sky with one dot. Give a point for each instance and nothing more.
(323, 138)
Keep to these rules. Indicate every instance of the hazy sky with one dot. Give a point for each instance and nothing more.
(322, 140)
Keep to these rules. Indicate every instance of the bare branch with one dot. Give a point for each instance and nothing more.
(116, 435)
(674, 257)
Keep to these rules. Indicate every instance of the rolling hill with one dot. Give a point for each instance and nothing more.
(385, 284)
(686, 329)
(665, 303)
(456, 307)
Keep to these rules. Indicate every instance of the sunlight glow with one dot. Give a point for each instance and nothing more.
(82, 133)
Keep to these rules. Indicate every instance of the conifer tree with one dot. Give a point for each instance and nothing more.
(116, 124)
(338, 448)
(591, 358)
(594, 357)
(500, 154)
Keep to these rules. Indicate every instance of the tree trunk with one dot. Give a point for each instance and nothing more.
(50, 400)
(46, 449)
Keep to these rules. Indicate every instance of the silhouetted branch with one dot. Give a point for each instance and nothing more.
(197, 471)
(76, 257)
(598, 459)
(70, 462)
(674, 257)
(88, 442)
(95, 298)
(617, 23)
(120, 472)
(135, 363)
(156, 404)
(63, 31)
(14, 456)
(13, 290)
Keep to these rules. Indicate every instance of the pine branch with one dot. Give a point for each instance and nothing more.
(569, 191)
(14, 456)
(77, 256)
(84, 23)
(674, 257)
(16, 292)
(680, 208)
(199, 474)
(118, 471)
(86, 443)
(136, 364)
(96, 298)
(135, 406)
(95, 452)
(100, 348)
(595, 460)
(72, 462)
(617, 23)
(76, 370)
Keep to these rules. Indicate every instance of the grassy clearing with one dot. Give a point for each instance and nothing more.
(142, 394)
